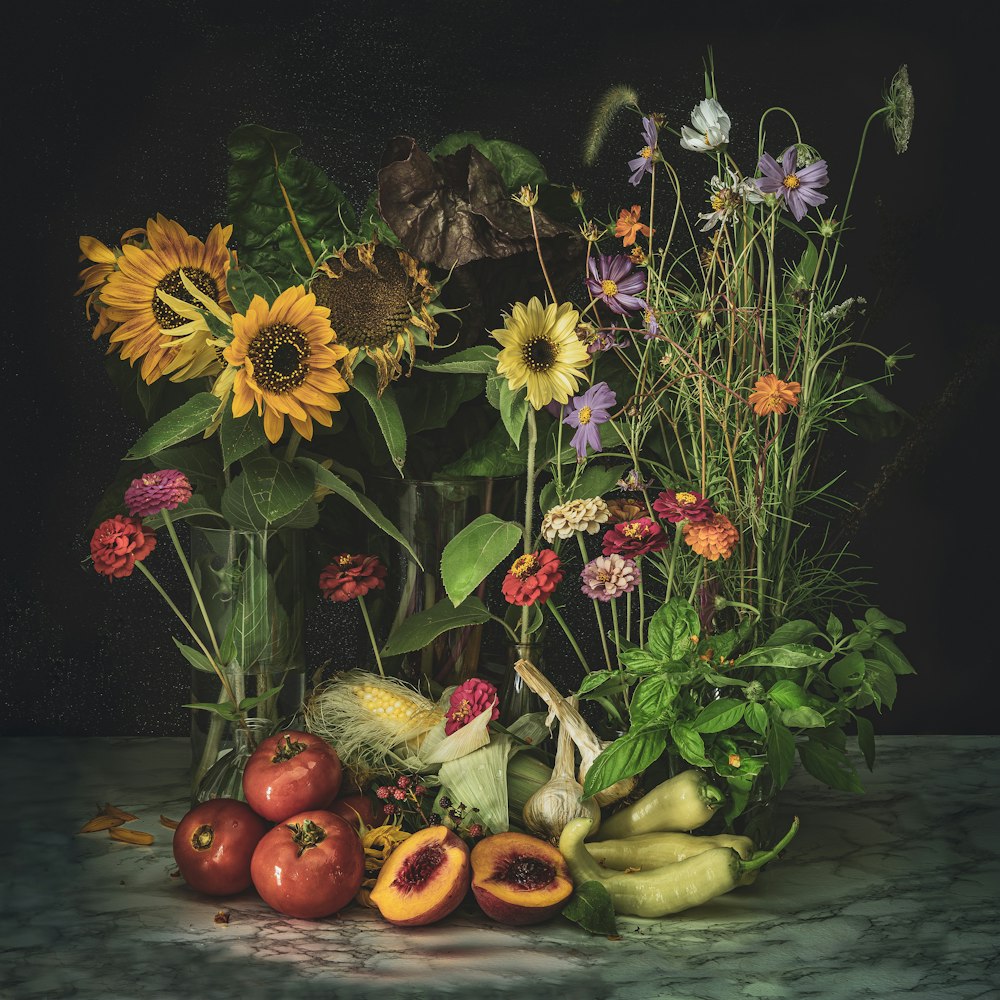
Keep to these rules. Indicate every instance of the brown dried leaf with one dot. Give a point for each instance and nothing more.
(131, 836)
(110, 810)
(102, 821)
(171, 824)
(222, 917)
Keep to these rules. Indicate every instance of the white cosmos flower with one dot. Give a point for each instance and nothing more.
(727, 195)
(710, 129)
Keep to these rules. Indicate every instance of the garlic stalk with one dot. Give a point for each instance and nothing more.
(582, 735)
(560, 799)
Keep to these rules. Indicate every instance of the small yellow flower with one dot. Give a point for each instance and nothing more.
(526, 196)
(735, 760)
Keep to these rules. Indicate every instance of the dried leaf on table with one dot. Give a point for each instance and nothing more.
(131, 836)
(171, 824)
(102, 821)
(110, 810)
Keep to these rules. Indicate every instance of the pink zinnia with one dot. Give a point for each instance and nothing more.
(118, 544)
(634, 538)
(469, 700)
(350, 576)
(674, 506)
(608, 577)
(153, 492)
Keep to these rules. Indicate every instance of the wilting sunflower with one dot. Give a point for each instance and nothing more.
(284, 355)
(377, 297)
(103, 261)
(129, 296)
(542, 351)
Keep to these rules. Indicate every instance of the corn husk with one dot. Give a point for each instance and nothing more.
(479, 780)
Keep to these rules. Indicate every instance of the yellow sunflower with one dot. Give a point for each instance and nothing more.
(103, 261)
(542, 351)
(130, 295)
(377, 297)
(284, 356)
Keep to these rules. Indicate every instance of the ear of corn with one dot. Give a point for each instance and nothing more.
(374, 723)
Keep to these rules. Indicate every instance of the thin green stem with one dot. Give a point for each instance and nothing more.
(529, 505)
(554, 611)
(172, 531)
(597, 606)
(371, 634)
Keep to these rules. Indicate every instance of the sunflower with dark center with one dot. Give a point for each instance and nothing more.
(378, 298)
(130, 297)
(283, 359)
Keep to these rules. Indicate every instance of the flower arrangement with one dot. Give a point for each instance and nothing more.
(668, 429)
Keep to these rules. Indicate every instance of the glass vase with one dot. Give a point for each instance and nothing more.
(516, 698)
(251, 615)
(430, 513)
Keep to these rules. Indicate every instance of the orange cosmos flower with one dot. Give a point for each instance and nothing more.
(628, 225)
(772, 395)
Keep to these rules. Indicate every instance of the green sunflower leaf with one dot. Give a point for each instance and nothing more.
(243, 283)
(323, 477)
(188, 419)
(479, 360)
(267, 491)
(386, 410)
(421, 629)
(517, 165)
(474, 552)
(264, 170)
(240, 436)
(513, 411)
(197, 506)
(493, 455)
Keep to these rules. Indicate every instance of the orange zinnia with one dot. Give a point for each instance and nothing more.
(714, 539)
(772, 395)
(628, 225)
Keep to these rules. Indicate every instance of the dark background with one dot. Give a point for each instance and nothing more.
(116, 112)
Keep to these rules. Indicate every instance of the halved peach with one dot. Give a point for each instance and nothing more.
(424, 879)
(519, 879)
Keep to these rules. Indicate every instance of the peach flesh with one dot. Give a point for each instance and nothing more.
(417, 872)
(522, 872)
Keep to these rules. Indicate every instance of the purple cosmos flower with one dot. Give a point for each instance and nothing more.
(643, 162)
(799, 188)
(614, 280)
(588, 411)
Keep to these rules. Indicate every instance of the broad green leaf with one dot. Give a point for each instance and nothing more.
(239, 436)
(594, 481)
(223, 708)
(793, 632)
(881, 680)
(802, 717)
(251, 625)
(790, 657)
(266, 491)
(757, 718)
(641, 661)
(719, 715)
(594, 680)
(849, 671)
(883, 623)
(474, 552)
(671, 629)
(188, 419)
(888, 652)
(866, 740)
(243, 283)
(628, 755)
(263, 162)
(517, 165)
(493, 383)
(689, 744)
(307, 516)
(829, 765)
(787, 694)
(199, 461)
(738, 787)
(324, 477)
(834, 628)
(653, 699)
(592, 908)
(780, 753)
(197, 506)
(513, 411)
(254, 701)
(195, 657)
(431, 405)
(494, 456)
(870, 414)
(480, 360)
(386, 410)
(421, 629)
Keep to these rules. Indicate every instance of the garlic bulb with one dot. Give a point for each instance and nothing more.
(560, 799)
(581, 734)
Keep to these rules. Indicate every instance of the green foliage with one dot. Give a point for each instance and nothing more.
(190, 418)
(592, 908)
(474, 552)
(517, 165)
(421, 629)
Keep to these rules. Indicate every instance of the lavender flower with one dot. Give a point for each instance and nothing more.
(798, 187)
(711, 128)
(643, 162)
(588, 411)
(614, 280)
(608, 577)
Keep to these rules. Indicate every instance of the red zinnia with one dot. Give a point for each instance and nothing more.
(153, 492)
(635, 538)
(350, 576)
(469, 700)
(684, 506)
(119, 543)
(531, 578)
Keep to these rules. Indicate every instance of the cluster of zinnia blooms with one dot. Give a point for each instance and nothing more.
(121, 541)
(709, 533)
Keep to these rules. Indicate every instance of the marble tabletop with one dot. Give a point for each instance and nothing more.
(890, 894)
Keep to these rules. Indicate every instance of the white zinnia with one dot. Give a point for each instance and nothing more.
(710, 128)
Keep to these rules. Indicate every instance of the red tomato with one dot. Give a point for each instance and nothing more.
(291, 771)
(309, 866)
(351, 806)
(213, 845)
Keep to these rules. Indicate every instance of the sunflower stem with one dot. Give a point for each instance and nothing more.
(529, 504)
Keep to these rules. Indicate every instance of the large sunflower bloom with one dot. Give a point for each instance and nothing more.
(377, 297)
(542, 351)
(284, 356)
(130, 295)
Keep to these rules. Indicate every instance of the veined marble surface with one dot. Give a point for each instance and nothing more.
(890, 894)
